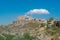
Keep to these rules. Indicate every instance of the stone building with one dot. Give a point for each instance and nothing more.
(57, 23)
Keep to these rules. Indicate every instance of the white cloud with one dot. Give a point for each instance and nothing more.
(38, 11)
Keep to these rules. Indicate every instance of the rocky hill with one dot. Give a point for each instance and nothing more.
(36, 27)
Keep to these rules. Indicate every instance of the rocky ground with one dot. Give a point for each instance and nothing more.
(41, 33)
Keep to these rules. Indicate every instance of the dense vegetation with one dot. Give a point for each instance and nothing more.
(25, 36)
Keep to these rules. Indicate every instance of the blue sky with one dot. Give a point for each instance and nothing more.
(11, 9)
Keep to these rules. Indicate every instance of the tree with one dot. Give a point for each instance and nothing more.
(51, 19)
(27, 36)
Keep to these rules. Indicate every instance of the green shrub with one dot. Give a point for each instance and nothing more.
(9, 36)
(2, 37)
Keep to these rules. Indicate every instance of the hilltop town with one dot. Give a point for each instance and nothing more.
(21, 20)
